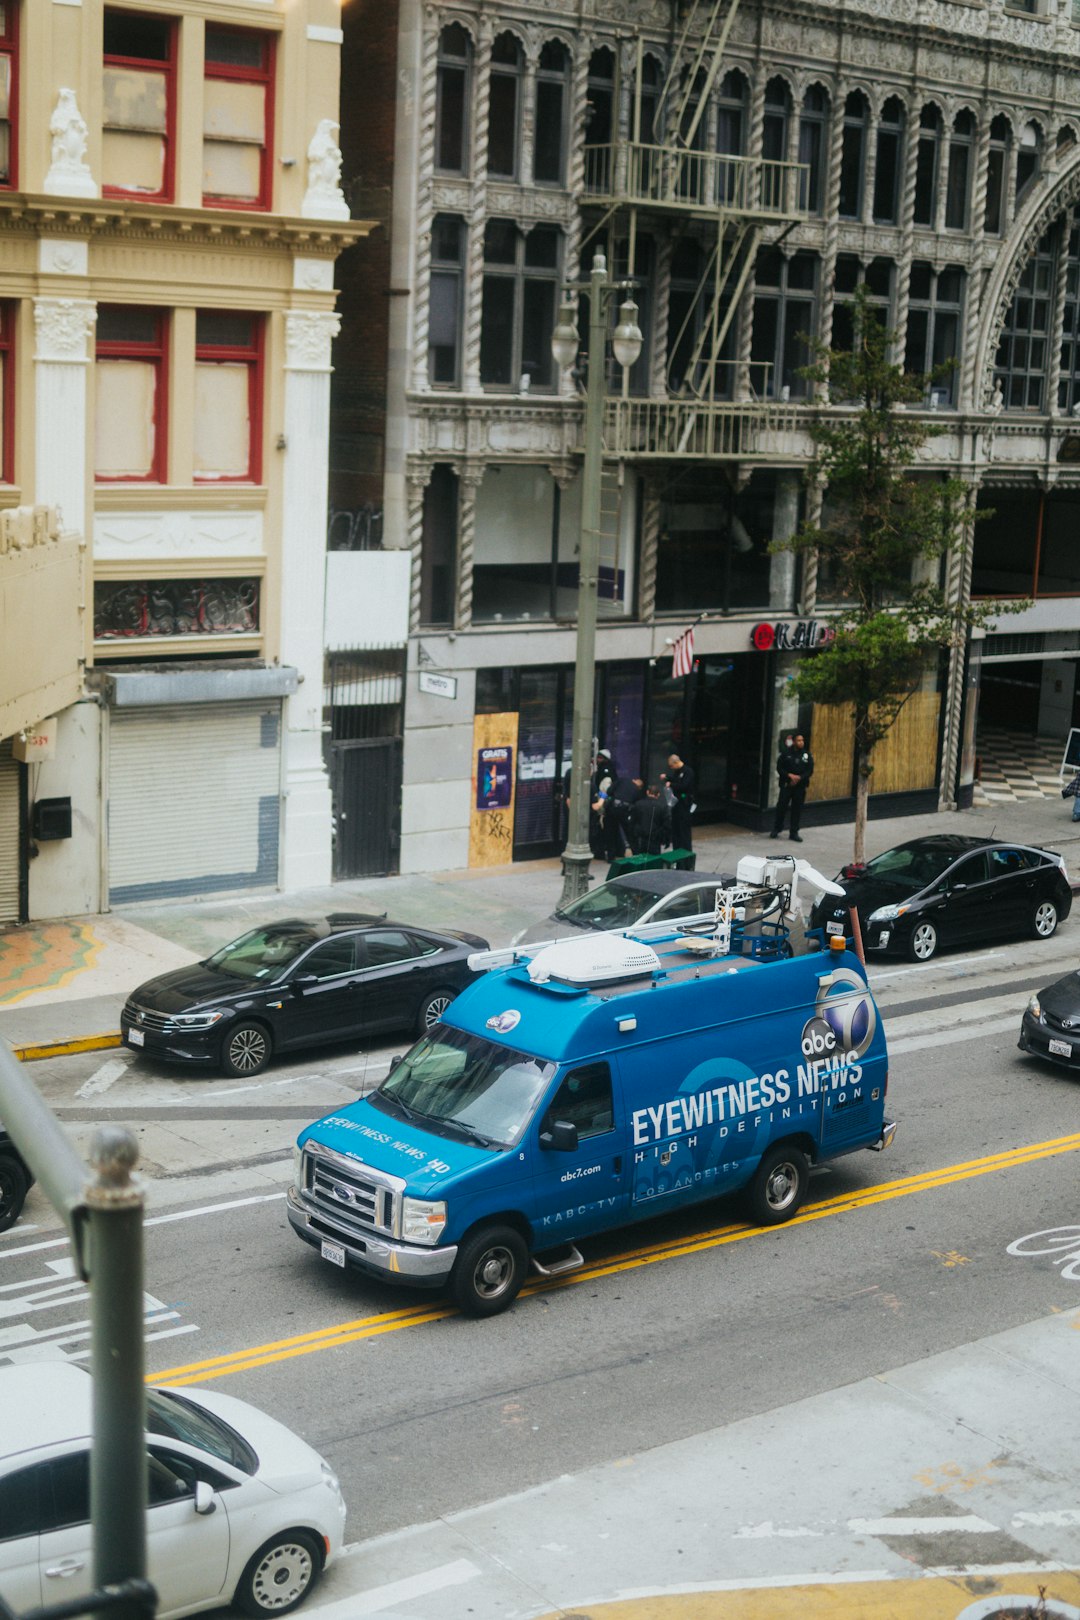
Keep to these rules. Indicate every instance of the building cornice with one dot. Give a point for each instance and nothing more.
(168, 223)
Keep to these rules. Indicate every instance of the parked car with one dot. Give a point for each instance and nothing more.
(625, 902)
(949, 889)
(240, 1510)
(15, 1181)
(299, 983)
(1050, 1027)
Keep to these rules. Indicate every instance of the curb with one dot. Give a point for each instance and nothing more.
(77, 1043)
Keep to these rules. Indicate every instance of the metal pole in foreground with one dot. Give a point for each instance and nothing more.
(577, 855)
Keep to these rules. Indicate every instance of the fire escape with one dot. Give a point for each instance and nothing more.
(717, 410)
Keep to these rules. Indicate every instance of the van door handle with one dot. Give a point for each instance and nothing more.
(616, 1163)
(67, 1566)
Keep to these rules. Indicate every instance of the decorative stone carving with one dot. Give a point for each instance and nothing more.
(324, 198)
(63, 256)
(140, 536)
(64, 327)
(308, 336)
(69, 173)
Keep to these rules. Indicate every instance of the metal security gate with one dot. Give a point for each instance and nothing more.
(11, 837)
(363, 711)
(194, 799)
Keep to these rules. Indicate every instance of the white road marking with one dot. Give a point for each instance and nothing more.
(936, 967)
(970, 1523)
(949, 1037)
(378, 1598)
(766, 1583)
(761, 1532)
(1059, 1520)
(103, 1078)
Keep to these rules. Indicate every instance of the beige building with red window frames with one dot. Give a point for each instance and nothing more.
(170, 213)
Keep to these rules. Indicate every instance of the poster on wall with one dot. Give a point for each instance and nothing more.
(494, 778)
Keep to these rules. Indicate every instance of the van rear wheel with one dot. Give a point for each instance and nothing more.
(779, 1185)
(489, 1271)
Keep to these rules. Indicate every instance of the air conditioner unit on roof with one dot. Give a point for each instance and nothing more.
(600, 960)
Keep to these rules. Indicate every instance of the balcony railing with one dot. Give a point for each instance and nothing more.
(672, 178)
(689, 429)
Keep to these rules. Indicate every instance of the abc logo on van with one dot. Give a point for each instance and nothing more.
(819, 1039)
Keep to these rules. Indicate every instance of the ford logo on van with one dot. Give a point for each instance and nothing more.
(504, 1022)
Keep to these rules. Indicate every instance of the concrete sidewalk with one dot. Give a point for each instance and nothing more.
(66, 981)
(909, 1496)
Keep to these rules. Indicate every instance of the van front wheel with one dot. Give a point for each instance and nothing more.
(489, 1271)
(779, 1186)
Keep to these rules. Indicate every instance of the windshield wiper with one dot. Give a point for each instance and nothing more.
(472, 1132)
(406, 1109)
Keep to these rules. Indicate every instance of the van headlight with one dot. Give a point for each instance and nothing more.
(1034, 1007)
(421, 1221)
(886, 914)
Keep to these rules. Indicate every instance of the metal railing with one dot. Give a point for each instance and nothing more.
(710, 430)
(674, 177)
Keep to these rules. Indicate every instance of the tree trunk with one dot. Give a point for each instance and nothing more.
(862, 796)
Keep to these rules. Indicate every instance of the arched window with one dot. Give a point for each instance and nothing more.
(853, 155)
(1021, 359)
(504, 103)
(774, 133)
(812, 122)
(889, 167)
(453, 99)
(647, 103)
(1028, 158)
(958, 179)
(552, 78)
(997, 164)
(935, 301)
(731, 100)
(926, 168)
(445, 300)
(600, 120)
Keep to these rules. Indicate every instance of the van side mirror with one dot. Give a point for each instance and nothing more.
(560, 1137)
(204, 1498)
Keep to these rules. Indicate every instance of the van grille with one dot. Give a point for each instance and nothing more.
(349, 1193)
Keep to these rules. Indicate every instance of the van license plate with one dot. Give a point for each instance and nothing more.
(136, 1037)
(1061, 1048)
(333, 1252)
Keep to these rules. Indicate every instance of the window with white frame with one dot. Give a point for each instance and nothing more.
(448, 237)
(552, 84)
(504, 106)
(889, 166)
(1024, 348)
(228, 396)
(521, 281)
(139, 117)
(130, 394)
(935, 305)
(453, 98)
(853, 155)
(785, 320)
(238, 117)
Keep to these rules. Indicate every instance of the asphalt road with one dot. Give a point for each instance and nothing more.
(675, 1326)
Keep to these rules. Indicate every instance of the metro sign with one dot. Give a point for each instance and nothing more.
(787, 636)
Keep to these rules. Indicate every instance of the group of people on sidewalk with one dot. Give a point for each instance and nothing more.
(627, 813)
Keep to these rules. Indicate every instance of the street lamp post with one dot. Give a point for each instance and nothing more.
(626, 342)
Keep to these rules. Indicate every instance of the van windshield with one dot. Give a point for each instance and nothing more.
(460, 1081)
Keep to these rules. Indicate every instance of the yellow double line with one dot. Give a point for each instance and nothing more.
(369, 1327)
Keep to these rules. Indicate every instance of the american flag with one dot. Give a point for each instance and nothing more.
(682, 654)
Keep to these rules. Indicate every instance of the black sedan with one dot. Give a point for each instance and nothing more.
(949, 889)
(1050, 1027)
(15, 1181)
(295, 984)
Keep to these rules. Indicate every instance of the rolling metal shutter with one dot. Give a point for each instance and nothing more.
(10, 782)
(194, 800)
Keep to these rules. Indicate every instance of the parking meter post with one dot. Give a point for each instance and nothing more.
(857, 934)
(114, 1201)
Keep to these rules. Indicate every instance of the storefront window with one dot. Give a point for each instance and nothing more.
(713, 550)
(1003, 561)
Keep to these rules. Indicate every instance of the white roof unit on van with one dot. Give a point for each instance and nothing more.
(600, 959)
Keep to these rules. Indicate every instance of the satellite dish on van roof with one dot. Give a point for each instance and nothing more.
(602, 959)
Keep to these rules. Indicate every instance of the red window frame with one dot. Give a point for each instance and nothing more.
(167, 68)
(251, 355)
(264, 74)
(7, 392)
(9, 47)
(156, 351)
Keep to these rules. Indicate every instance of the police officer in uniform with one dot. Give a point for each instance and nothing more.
(794, 768)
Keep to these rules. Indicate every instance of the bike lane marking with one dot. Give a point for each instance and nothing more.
(366, 1327)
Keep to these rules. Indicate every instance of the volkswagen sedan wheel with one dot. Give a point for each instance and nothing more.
(246, 1050)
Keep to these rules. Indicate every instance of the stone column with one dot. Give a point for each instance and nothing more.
(64, 329)
(907, 229)
(957, 591)
(815, 498)
(425, 210)
(785, 524)
(975, 281)
(1057, 317)
(469, 482)
(417, 479)
(650, 544)
(658, 371)
(832, 222)
(870, 165)
(305, 849)
(474, 275)
(527, 154)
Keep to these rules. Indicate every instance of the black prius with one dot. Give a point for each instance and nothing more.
(1050, 1027)
(296, 984)
(947, 889)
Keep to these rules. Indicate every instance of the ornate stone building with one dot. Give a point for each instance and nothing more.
(747, 167)
(170, 214)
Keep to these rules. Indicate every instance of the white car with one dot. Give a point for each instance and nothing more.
(240, 1509)
(630, 901)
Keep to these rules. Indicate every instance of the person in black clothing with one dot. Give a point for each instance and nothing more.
(650, 823)
(600, 785)
(625, 792)
(680, 779)
(794, 768)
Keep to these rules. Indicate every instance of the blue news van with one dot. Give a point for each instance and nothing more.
(597, 1082)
